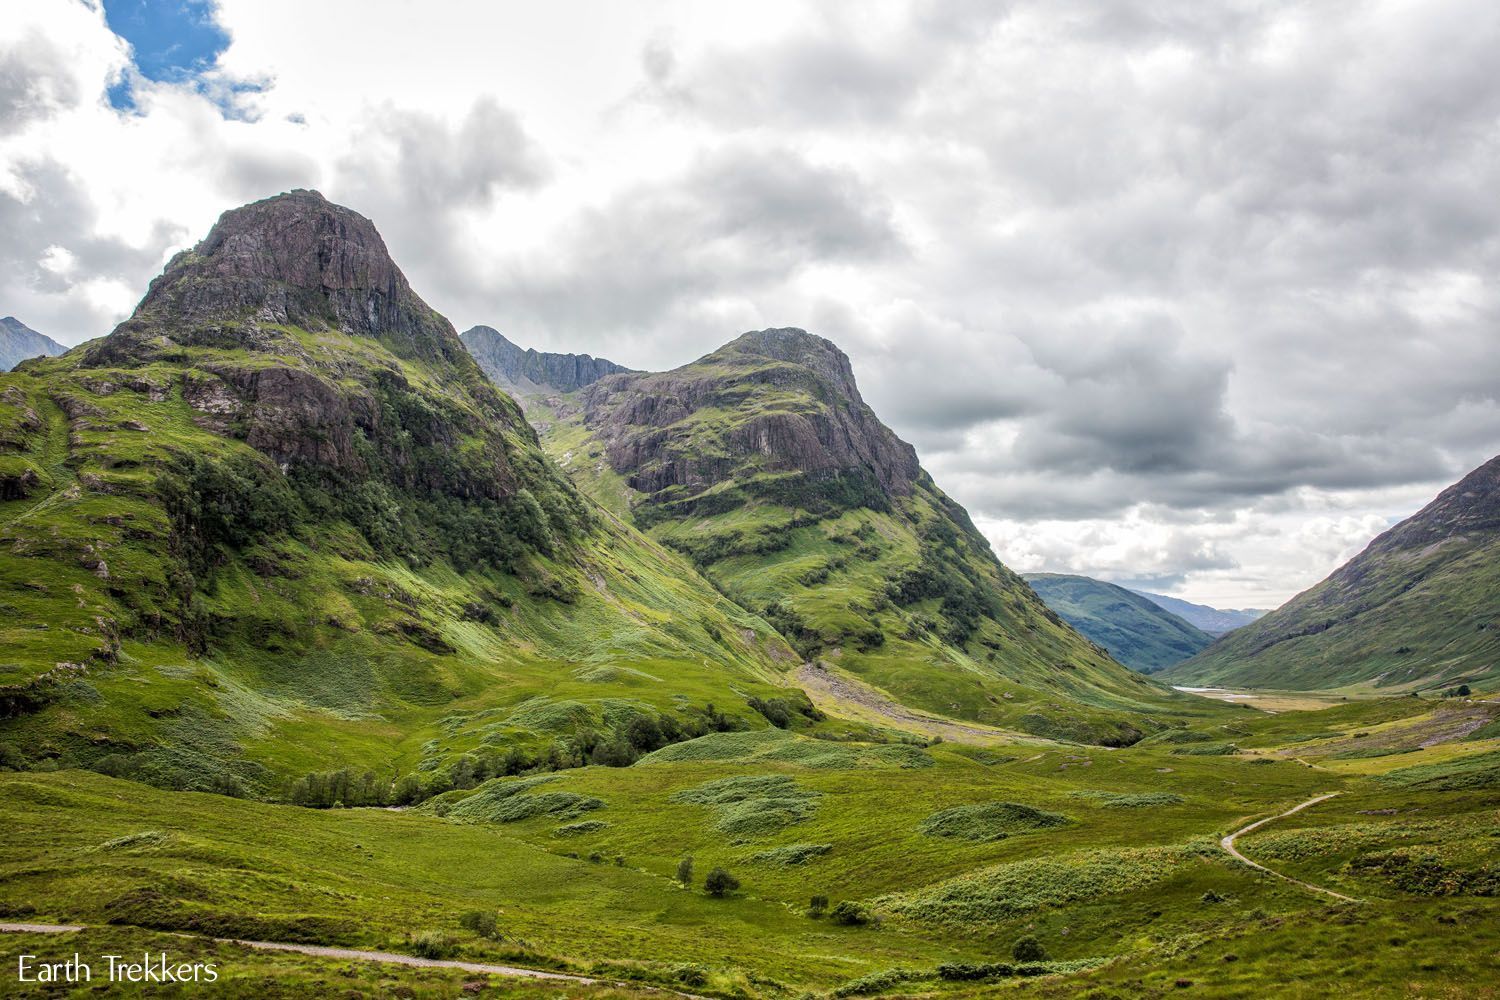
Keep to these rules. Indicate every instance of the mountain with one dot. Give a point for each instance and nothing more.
(278, 521)
(527, 371)
(19, 342)
(1213, 621)
(1136, 631)
(1416, 609)
(762, 464)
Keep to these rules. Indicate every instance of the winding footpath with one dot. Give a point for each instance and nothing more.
(1228, 844)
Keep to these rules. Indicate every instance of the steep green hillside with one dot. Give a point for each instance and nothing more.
(762, 464)
(279, 522)
(1135, 630)
(1419, 608)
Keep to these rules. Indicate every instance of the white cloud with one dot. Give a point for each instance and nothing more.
(1160, 289)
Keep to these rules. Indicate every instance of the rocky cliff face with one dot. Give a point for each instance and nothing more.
(1415, 608)
(19, 342)
(530, 371)
(785, 402)
(294, 260)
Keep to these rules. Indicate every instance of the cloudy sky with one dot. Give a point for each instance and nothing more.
(1195, 296)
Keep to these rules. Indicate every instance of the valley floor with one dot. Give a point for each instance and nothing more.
(943, 855)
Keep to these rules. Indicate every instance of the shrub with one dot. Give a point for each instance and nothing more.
(817, 907)
(849, 913)
(720, 883)
(1212, 897)
(1028, 949)
(432, 944)
(690, 974)
(481, 922)
(685, 871)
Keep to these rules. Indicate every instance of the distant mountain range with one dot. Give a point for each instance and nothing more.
(1138, 632)
(19, 342)
(525, 371)
(1415, 610)
(1214, 621)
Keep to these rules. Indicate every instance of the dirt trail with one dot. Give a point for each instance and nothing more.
(388, 957)
(1228, 844)
(841, 689)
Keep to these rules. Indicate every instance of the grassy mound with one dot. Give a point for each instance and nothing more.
(579, 829)
(989, 821)
(502, 801)
(790, 855)
(1130, 800)
(1466, 773)
(753, 805)
(789, 748)
(1004, 891)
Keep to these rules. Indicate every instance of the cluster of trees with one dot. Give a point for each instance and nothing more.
(782, 712)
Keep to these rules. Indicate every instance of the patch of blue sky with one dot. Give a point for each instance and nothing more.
(172, 41)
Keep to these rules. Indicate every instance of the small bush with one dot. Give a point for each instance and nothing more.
(1212, 897)
(433, 944)
(817, 907)
(849, 913)
(481, 922)
(720, 883)
(1028, 949)
(690, 974)
(685, 871)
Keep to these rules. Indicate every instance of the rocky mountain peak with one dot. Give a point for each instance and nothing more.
(796, 346)
(801, 414)
(295, 259)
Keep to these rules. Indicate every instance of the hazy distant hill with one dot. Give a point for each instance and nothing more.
(1137, 632)
(525, 370)
(1214, 621)
(19, 342)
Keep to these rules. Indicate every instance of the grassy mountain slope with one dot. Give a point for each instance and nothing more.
(762, 464)
(1416, 609)
(279, 522)
(1136, 631)
(1213, 621)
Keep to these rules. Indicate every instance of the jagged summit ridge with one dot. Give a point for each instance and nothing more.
(529, 370)
(295, 259)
